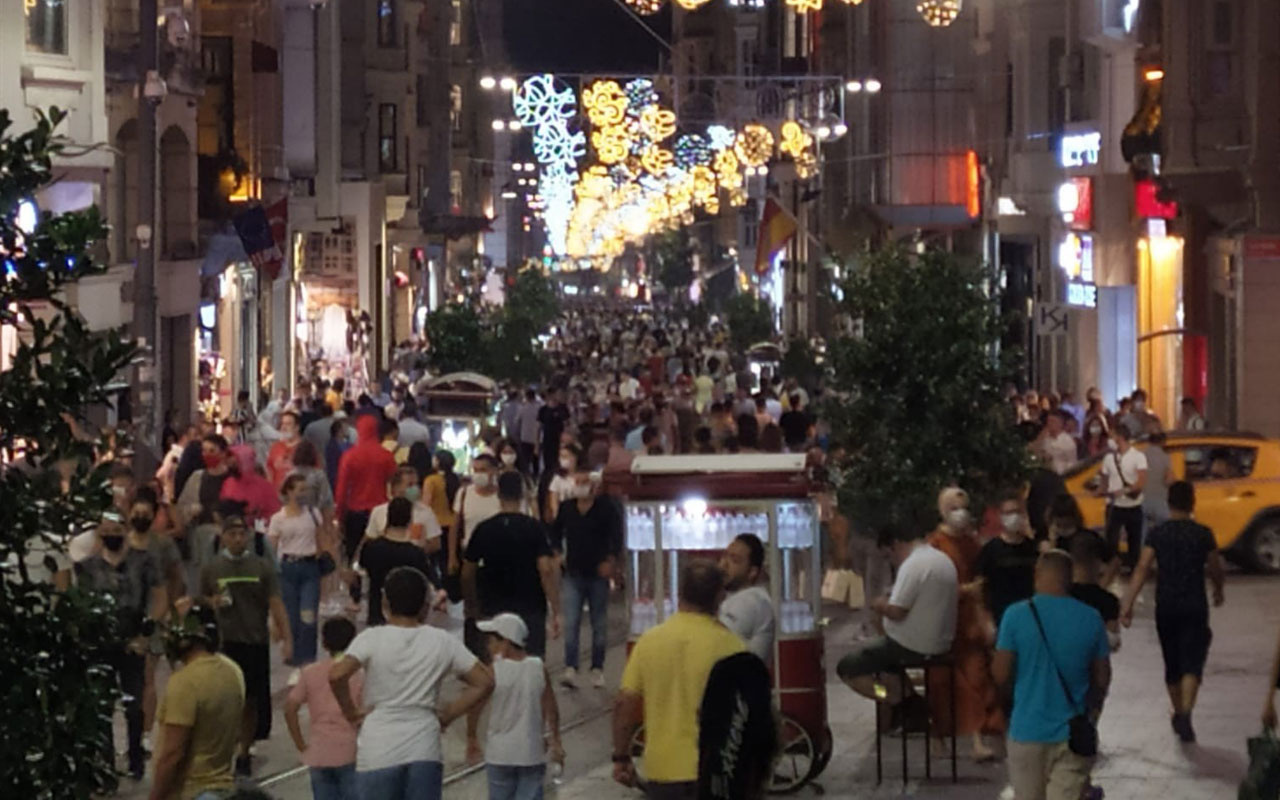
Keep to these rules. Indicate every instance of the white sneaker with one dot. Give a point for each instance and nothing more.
(597, 678)
(569, 678)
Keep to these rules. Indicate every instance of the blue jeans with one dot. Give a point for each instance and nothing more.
(334, 783)
(300, 591)
(419, 780)
(516, 783)
(594, 591)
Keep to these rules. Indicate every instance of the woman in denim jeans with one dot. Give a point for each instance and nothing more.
(294, 532)
(588, 530)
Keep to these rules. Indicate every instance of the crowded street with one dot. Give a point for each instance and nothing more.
(663, 399)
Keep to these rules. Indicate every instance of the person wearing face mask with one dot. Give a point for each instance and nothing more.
(280, 457)
(1096, 440)
(977, 705)
(242, 586)
(295, 532)
(1007, 564)
(1066, 525)
(561, 486)
(588, 533)
(197, 506)
(133, 579)
(363, 474)
(424, 528)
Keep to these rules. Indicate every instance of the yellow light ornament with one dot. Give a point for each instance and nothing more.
(612, 143)
(657, 160)
(605, 103)
(805, 6)
(694, 5)
(795, 140)
(939, 13)
(727, 169)
(658, 123)
(645, 7)
(754, 145)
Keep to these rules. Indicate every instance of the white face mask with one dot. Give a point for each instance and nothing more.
(1012, 523)
(958, 517)
(580, 490)
(566, 464)
(508, 458)
(482, 480)
(1095, 430)
(1139, 406)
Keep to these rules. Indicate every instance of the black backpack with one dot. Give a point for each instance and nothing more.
(737, 736)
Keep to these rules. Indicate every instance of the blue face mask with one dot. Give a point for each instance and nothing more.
(412, 494)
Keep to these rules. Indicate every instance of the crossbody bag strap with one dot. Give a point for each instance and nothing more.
(1062, 681)
(1115, 457)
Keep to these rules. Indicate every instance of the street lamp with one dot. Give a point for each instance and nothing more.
(871, 86)
(488, 82)
(499, 124)
(853, 86)
(508, 84)
(514, 125)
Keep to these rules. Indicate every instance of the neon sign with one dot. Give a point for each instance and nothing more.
(1080, 149)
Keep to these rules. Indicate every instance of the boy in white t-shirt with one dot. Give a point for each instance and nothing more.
(398, 752)
(522, 704)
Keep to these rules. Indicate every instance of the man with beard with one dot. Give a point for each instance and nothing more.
(747, 610)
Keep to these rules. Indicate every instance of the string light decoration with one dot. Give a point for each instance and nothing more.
(539, 102)
(939, 13)
(605, 103)
(721, 137)
(692, 150)
(556, 144)
(657, 123)
(657, 160)
(795, 140)
(727, 170)
(612, 144)
(692, 5)
(805, 6)
(640, 95)
(754, 145)
(645, 8)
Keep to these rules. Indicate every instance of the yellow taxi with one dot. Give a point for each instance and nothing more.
(1237, 482)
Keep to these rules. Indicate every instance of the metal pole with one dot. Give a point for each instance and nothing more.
(147, 409)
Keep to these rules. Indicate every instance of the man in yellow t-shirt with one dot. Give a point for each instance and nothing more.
(200, 714)
(663, 683)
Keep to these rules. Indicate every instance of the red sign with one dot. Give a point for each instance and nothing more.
(1262, 247)
(1147, 204)
(1075, 199)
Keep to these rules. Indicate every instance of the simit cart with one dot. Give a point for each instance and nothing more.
(683, 507)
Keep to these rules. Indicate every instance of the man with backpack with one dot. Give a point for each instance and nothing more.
(242, 586)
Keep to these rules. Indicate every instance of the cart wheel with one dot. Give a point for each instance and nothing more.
(797, 759)
(636, 751)
(825, 748)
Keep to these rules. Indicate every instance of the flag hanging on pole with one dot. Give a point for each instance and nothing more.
(777, 227)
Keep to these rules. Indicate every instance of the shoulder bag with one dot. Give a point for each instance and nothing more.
(1083, 735)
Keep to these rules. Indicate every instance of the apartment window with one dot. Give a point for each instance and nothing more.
(386, 23)
(455, 24)
(1221, 57)
(455, 107)
(387, 137)
(46, 26)
(455, 189)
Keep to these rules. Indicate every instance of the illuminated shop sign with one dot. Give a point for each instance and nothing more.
(1075, 256)
(1080, 149)
(1075, 201)
(1082, 294)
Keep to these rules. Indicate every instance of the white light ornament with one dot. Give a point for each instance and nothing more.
(557, 145)
(721, 137)
(539, 102)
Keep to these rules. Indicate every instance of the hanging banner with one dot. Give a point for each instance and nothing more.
(257, 233)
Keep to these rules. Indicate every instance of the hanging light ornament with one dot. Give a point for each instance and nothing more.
(754, 145)
(692, 5)
(805, 6)
(645, 7)
(657, 123)
(939, 13)
(605, 103)
(692, 150)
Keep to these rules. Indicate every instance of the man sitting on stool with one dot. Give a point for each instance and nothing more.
(919, 621)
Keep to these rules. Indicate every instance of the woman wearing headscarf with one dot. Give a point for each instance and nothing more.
(977, 704)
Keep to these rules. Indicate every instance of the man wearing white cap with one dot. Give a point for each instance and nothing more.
(522, 702)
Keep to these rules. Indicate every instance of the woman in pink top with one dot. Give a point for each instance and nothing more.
(330, 751)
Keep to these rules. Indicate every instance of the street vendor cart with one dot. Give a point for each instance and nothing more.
(685, 507)
(459, 405)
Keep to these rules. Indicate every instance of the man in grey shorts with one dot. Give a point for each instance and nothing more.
(919, 616)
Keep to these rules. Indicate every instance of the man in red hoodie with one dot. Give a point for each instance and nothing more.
(363, 475)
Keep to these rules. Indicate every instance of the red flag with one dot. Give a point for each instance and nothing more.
(777, 227)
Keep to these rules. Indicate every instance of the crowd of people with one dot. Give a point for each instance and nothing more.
(335, 525)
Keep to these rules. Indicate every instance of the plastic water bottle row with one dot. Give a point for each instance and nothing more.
(714, 531)
(797, 617)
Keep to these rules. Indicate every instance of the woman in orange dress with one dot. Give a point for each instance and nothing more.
(978, 709)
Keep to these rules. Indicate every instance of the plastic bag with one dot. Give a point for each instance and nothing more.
(1262, 781)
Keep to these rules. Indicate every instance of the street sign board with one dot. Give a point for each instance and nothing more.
(1052, 319)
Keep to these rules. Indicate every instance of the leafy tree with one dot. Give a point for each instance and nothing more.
(532, 298)
(455, 339)
(674, 255)
(919, 388)
(59, 692)
(750, 320)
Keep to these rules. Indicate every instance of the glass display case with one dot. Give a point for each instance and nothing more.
(662, 535)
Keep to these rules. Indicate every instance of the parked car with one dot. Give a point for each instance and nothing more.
(1237, 480)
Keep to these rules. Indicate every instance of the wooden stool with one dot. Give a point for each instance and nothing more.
(941, 661)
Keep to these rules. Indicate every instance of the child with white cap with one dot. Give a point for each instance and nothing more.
(522, 705)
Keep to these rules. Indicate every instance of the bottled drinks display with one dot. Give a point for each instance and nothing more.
(714, 530)
(797, 616)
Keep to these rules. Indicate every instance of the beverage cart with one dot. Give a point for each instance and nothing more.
(683, 507)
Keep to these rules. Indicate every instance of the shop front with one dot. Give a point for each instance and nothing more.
(332, 333)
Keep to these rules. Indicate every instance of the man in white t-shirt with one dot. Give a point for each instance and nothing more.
(919, 621)
(1124, 476)
(747, 610)
(1056, 445)
(424, 529)
(398, 753)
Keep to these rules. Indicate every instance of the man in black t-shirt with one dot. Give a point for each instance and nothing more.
(552, 419)
(509, 566)
(795, 424)
(395, 548)
(1007, 563)
(1182, 549)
